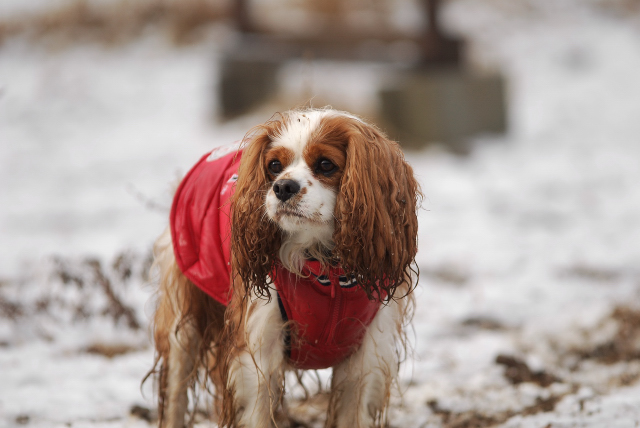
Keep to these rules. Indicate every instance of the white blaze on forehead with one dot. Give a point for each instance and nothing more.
(308, 217)
(298, 130)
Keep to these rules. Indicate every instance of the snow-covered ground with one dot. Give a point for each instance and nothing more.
(527, 309)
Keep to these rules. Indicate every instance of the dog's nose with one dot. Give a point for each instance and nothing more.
(285, 189)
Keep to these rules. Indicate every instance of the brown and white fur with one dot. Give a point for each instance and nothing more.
(357, 210)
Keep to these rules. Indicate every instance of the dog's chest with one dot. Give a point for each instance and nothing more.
(329, 314)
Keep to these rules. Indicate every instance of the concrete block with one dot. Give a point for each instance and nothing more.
(443, 105)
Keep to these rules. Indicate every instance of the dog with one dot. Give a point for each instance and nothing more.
(294, 250)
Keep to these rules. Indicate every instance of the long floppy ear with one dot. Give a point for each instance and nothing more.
(376, 220)
(255, 239)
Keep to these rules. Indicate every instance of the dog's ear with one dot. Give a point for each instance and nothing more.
(376, 220)
(255, 239)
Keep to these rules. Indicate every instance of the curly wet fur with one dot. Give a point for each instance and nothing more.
(255, 240)
(376, 224)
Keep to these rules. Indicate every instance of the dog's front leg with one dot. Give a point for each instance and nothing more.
(256, 372)
(361, 385)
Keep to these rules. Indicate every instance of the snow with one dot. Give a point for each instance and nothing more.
(74, 158)
(526, 245)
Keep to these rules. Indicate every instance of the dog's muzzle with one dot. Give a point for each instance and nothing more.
(285, 189)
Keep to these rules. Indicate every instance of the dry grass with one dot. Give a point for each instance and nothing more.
(118, 21)
(623, 7)
(109, 350)
(76, 291)
(93, 277)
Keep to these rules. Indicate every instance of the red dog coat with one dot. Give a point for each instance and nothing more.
(329, 312)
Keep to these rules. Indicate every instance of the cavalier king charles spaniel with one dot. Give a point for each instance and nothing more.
(292, 251)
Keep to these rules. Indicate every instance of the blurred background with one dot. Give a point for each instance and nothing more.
(521, 119)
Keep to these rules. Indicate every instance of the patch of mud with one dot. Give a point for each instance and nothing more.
(484, 323)
(624, 345)
(144, 413)
(478, 419)
(592, 273)
(469, 419)
(308, 412)
(11, 310)
(447, 275)
(22, 420)
(517, 371)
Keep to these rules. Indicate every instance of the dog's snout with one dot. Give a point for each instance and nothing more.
(285, 189)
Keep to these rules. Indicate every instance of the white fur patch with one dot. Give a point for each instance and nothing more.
(256, 375)
(312, 221)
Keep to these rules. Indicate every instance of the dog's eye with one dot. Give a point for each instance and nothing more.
(275, 166)
(325, 166)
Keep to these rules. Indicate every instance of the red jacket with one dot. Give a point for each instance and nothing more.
(330, 313)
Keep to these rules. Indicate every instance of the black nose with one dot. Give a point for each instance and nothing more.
(285, 189)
